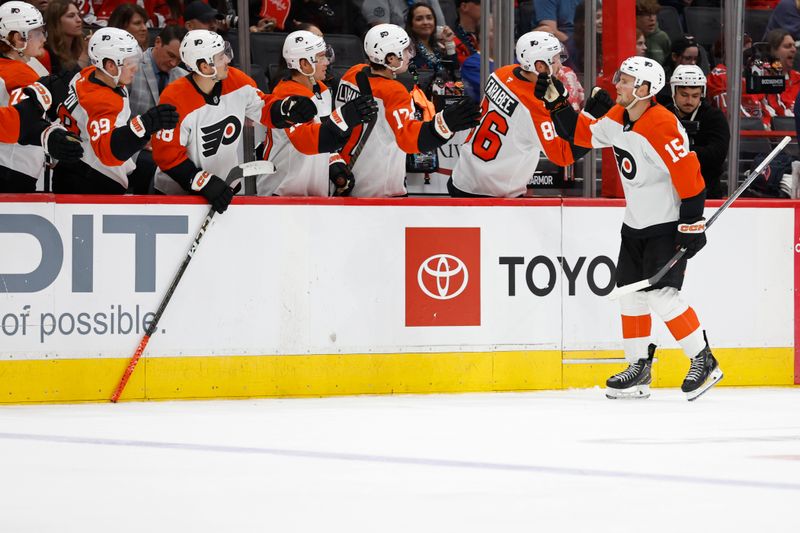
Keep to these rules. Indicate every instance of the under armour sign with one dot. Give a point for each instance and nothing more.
(443, 277)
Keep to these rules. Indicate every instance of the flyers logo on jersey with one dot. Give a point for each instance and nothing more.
(443, 277)
(625, 162)
(224, 132)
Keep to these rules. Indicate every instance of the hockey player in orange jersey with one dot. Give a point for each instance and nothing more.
(380, 170)
(213, 103)
(23, 123)
(665, 196)
(499, 157)
(97, 109)
(306, 156)
(22, 37)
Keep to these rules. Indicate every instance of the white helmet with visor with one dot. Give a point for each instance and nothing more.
(385, 39)
(207, 46)
(305, 45)
(23, 18)
(537, 46)
(116, 45)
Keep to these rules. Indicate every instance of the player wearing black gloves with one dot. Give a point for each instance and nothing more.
(213, 104)
(96, 109)
(307, 157)
(23, 123)
(665, 196)
(380, 168)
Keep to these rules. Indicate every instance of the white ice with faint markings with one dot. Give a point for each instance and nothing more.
(533, 462)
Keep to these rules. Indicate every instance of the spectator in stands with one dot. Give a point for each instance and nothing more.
(641, 44)
(200, 16)
(392, 11)
(435, 48)
(133, 19)
(685, 51)
(158, 68)
(717, 89)
(658, 44)
(556, 17)
(782, 48)
(786, 16)
(468, 29)
(706, 126)
(66, 44)
(329, 17)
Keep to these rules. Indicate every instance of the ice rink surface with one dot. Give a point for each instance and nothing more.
(539, 461)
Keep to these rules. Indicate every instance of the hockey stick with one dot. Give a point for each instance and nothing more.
(364, 88)
(252, 168)
(649, 282)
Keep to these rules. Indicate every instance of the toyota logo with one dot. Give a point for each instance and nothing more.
(443, 267)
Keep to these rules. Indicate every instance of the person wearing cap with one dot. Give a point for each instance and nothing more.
(200, 16)
(706, 126)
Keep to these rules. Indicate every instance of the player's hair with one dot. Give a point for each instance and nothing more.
(66, 49)
(4, 47)
(172, 32)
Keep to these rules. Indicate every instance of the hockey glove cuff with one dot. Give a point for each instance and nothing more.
(460, 116)
(40, 94)
(213, 189)
(691, 235)
(160, 117)
(358, 111)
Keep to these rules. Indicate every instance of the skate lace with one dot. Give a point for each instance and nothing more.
(696, 369)
(630, 372)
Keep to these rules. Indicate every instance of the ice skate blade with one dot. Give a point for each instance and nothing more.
(713, 378)
(637, 392)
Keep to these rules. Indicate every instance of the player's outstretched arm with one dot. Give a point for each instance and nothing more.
(198, 181)
(126, 141)
(337, 127)
(463, 115)
(35, 130)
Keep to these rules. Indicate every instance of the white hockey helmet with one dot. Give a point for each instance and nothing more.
(538, 46)
(19, 17)
(204, 45)
(385, 39)
(687, 76)
(304, 45)
(116, 45)
(643, 70)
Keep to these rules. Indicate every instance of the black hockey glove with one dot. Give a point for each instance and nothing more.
(598, 103)
(359, 111)
(341, 176)
(160, 117)
(691, 235)
(551, 91)
(463, 115)
(60, 144)
(292, 110)
(215, 190)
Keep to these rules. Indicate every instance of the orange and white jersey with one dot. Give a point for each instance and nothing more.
(300, 170)
(654, 161)
(501, 154)
(381, 168)
(9, 125)
(93, 110)
(28, 160)
(209, 130)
